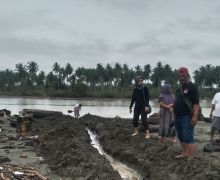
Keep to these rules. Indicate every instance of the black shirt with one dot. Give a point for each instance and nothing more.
(186, 96)
(140, 97)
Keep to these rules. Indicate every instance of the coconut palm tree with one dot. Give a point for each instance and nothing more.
(157, 75)
(32, 68)
(68, 71)
(57, 71)
(21, 71)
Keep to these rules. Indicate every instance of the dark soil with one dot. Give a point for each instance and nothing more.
(154, 160)
(68, 151)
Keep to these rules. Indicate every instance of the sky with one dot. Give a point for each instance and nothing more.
(87, 32)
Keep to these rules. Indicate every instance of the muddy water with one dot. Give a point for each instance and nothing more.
(124, 171)
(101, 107)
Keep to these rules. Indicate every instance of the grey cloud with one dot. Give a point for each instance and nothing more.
(206, 24)
(125, 4)
(153, 46)
(212, 52)
(91, 31)
(45, 47)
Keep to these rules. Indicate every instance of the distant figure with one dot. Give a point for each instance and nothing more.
(186, 108)
(166, 100)
(215, 114)
(141, 99)
(77, 109)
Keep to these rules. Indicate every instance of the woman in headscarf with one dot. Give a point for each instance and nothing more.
(166, 101)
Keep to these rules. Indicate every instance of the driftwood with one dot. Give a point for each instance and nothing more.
(3, 177)
(4, 112)
(19, 172)
(42, 113)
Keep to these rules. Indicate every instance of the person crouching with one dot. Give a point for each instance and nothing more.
(77, 109)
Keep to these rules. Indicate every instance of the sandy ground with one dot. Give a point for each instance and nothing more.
(66, 149)
(151, 158)
(68, 153)
(13, 149)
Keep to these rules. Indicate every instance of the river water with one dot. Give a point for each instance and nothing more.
(101, 107)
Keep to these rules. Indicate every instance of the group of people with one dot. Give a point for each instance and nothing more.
(178, 113)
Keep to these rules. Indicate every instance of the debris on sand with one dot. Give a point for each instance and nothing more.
(20, 172)
(4, 159)
(5, 112)
(37, 113)
(213, 146)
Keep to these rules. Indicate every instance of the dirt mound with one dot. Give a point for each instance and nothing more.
(152, 159)
(37, 113)
(68, 152)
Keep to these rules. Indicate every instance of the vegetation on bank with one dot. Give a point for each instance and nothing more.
(104, 81)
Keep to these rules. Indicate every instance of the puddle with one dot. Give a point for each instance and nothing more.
(125, 172)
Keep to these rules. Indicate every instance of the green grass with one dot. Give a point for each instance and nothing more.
(83, 91)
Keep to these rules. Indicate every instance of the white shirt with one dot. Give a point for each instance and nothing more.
(216, 102)
(77, 108)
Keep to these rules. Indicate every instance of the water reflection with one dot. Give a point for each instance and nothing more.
(101, 107)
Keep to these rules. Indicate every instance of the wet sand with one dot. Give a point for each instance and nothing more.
(154, 160)
(12, 149)
(68, 153)
(65, 146)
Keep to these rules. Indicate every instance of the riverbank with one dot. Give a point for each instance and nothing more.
(66, 148)
(20, 153)
(101, 92)
(152, 159)
(64, 145)
(77, 98)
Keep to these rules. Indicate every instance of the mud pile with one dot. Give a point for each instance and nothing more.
(152, 159)
(67, 149)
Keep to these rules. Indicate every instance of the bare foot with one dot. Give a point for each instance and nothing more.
(147, 136)
(174, 140)
(181, 156)
(135, 134)
(210, 139)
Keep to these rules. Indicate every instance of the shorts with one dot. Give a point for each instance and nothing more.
(185, 129)
(216, 123)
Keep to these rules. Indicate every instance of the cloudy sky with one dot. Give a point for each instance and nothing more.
(87, 32)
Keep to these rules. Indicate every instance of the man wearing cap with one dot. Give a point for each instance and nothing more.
(186, 108)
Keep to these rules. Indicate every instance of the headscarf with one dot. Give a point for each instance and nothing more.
(166, 95)
(166, 89)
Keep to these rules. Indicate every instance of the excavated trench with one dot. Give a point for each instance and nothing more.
(67, 150)
(124, 171)
(150, 158)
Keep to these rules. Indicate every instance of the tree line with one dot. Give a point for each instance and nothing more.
(102, 81)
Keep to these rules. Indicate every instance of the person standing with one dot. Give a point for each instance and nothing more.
(166, 101)
(186, 108)
(215, 115)
(141, 99)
